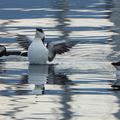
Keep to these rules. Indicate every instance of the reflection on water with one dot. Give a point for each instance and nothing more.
(80, 75)
(57, 78)
(115, 43)
(61, 18)
(33, 82)
(38, 77)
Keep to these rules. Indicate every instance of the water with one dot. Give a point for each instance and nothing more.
(66, 88)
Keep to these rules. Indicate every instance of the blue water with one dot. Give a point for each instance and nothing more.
(18, 78)
(62, 11)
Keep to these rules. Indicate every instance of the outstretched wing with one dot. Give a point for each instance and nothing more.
(58, 47)
(24, 41)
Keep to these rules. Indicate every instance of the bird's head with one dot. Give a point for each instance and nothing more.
(40, 34)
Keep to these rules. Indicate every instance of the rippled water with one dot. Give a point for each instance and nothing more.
(82, 71)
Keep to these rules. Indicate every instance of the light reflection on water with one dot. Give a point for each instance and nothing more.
(30, 81)
(82, 21)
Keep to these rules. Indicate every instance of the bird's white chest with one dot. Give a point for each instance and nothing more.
(37, 53)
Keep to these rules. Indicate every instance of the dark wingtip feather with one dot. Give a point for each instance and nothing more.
(23, 41)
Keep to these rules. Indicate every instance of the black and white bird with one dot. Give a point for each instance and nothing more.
(38, 52)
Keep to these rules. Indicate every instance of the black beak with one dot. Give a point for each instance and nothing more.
(39, 29)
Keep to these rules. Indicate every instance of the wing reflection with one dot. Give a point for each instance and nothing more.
(56, 78)
(39, 75)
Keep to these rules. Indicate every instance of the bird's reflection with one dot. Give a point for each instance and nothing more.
(37, 76)
(33, 80)
(40, 75)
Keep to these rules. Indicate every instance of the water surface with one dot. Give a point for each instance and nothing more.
(66, 88)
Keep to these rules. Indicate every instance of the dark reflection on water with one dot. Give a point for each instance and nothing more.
(66, 97)
(62, 10)
(57, 78)
(34, 9)
(115, 39)
(33, 80)
(115, 51)
(38, 76)
(61, 18)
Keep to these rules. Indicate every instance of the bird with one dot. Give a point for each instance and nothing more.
(5, 52)
(38, 52)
